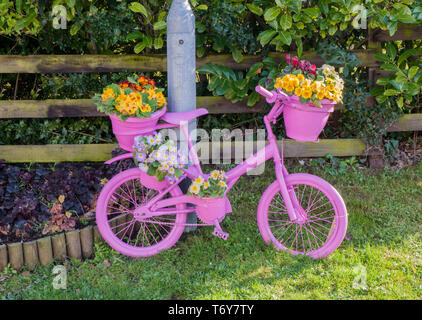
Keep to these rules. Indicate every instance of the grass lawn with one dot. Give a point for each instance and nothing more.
(381, 258)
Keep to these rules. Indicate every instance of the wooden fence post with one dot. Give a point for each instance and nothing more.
(3, 257)
(30, 253)
(45, 251)
(376, 158)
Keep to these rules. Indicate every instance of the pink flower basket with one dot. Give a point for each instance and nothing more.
(210, 209)
(305, 122)
(126, 131)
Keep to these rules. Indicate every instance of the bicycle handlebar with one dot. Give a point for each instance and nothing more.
(270, 96)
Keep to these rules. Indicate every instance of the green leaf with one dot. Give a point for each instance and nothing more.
(134, 35)
(286, 21)
(148, 41)
(18, 5)
(139, 47)
(202, 7)
(391, 50)
(160, 25)
(158, 43)
(272, 13)
(412, 71)
(266, 36)
(382, 57)
(75, 28)
(383, 81)
(254, 69)
(237, 55)
(200, 52)
(400, 102)
(285, 37)
(408, 53)
(391, 92)
(255, 9)
(253, 99)
(389, 67)
(138, 8)
(299, 46)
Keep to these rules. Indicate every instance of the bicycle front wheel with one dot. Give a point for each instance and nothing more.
(117, 221)
(326, 217)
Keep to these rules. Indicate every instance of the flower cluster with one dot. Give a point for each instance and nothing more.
(310, 84)
(137, 97)
(303, 65)
(159, 157)
(214, 186)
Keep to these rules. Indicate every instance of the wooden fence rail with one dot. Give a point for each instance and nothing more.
(215, 105)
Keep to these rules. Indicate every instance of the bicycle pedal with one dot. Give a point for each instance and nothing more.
(220, 234)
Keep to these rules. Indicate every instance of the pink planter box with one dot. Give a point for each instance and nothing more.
(305, 122)
(126, 131)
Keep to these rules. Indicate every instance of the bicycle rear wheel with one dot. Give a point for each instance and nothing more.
(129, 234)
(326, 217)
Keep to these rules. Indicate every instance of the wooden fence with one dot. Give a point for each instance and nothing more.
(216, 105)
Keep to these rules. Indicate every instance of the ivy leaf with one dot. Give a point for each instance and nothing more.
(272, 13)
(255, 9)
(138, 8)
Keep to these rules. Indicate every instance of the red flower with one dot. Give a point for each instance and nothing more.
(295, 61)
(313, 69)
(288, 58)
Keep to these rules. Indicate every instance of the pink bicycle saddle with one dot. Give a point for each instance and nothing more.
(178, 117)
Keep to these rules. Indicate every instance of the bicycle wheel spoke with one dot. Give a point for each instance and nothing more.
(312, 234)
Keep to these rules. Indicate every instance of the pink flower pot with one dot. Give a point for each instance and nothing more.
(211, 209)
(126, 131)
(305, 122)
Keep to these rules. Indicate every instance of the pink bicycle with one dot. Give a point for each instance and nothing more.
(300, 213)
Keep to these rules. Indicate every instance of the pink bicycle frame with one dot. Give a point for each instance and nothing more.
(270, 151)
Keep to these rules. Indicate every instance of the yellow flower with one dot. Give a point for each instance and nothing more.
(194, 188)
(278, 83)
(298, 91)
(215, 174)
(199, 180)
(290, 88)
(206, 185)
(222, 175)
(320, 95)
(306, 93)
(107, 94)
(300, 77)
(222, 184)
(294, 82)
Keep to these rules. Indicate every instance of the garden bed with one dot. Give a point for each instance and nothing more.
(46, 199)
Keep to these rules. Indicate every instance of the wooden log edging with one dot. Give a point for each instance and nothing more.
(77, 244)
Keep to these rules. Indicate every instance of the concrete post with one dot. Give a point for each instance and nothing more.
(181, 67)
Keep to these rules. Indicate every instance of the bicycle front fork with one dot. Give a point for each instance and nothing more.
(294, 210)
